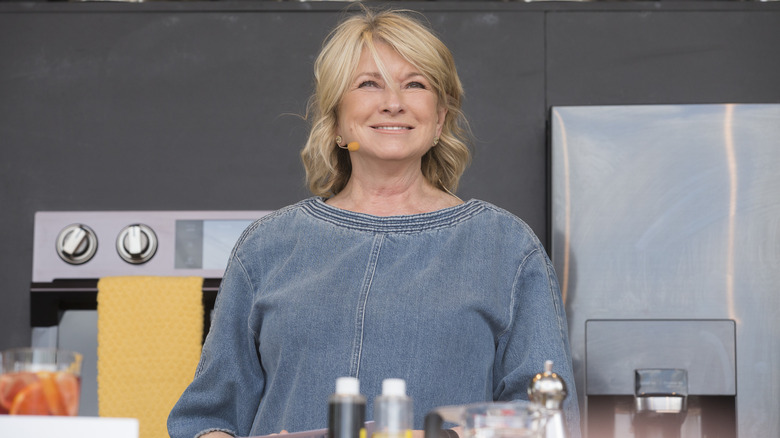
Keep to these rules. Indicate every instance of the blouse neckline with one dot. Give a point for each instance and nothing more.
(443, 218)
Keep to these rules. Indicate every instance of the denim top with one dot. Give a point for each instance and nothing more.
(462, 303)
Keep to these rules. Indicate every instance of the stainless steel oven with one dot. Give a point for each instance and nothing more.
(73, 250)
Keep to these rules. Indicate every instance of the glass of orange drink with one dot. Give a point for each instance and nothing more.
(40, 381)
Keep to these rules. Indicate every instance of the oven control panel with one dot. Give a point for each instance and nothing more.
(96, 244)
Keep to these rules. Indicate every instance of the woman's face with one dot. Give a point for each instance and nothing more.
(395, 121)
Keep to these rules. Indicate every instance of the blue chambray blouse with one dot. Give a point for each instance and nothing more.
(462, 303)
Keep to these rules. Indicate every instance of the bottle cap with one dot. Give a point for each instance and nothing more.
(395, 387)
(347, 386)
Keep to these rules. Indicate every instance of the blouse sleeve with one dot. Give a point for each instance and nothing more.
(537, 332)
(228, 383)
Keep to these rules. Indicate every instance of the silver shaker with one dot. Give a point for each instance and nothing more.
(548, 390)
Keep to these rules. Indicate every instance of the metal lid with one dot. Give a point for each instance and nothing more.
(547, 389)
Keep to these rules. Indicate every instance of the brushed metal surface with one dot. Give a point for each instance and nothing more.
(673, 212)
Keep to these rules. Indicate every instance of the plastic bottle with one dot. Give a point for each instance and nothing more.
(347, 410)
(393, 417)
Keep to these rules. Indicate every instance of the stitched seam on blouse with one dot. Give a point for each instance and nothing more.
(558, 304)
(360, 311)
(501, 338)
(405, 224)
(251, 295)
(518, 275)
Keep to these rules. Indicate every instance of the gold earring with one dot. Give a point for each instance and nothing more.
(339, 140)
(435, 141)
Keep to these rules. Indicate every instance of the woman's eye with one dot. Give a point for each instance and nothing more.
(368, 84)
(416, 85)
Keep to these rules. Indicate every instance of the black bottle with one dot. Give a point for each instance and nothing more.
(347, 410)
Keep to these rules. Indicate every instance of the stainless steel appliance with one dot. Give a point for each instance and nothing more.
(73, 250)
(666, 240)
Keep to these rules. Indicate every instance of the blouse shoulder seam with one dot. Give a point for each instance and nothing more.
(513, 295)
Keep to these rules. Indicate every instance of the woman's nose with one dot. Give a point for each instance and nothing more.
(393, 102)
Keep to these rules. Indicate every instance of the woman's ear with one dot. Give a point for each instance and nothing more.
(442, 115)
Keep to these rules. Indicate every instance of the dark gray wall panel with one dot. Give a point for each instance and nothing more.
(666, 56)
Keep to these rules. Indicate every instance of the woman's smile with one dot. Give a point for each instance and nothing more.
(397, 128)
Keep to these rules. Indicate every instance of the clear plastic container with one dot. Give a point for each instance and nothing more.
(393, 415)
(515, 419)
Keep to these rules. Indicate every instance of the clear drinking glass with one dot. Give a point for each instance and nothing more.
(40, 381)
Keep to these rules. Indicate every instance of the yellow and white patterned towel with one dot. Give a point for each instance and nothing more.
(149, 342)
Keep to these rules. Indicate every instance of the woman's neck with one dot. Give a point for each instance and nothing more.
(401, 195)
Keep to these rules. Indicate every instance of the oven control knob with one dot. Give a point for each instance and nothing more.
(76, 244)
(136, 243)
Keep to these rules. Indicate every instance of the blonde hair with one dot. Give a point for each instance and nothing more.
(328, 167)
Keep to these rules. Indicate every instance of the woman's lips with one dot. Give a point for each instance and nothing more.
(392, 128)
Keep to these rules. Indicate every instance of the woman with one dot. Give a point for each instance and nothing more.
(385, 273)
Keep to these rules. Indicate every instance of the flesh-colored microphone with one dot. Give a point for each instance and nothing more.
(353, 146)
